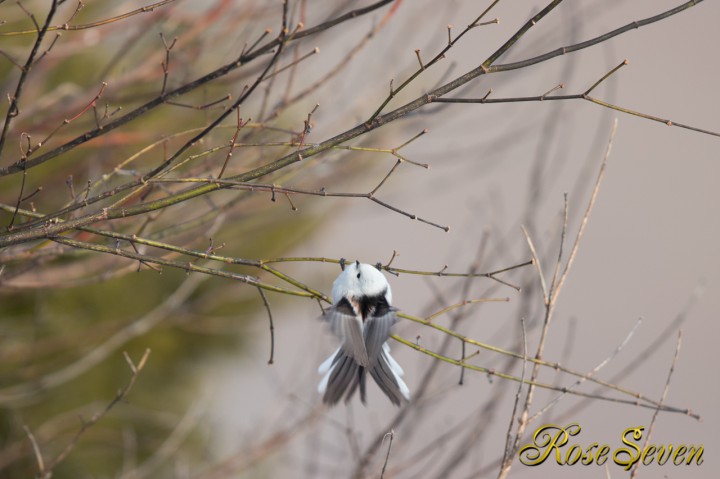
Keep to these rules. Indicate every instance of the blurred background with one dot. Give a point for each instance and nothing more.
(207, 403)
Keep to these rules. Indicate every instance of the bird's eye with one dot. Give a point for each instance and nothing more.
(358, 275)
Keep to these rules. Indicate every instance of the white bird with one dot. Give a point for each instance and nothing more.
(361, 316)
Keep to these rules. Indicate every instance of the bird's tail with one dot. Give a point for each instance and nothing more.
(387, 373)
(343, 375)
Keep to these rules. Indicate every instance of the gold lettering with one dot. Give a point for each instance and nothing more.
(552, 438)
(662, 458)
(544, 442)
(588, 458)
(692, 451)
(647, 455)
(632, 458)
(679, 453)
(569, 458)
(601, 457)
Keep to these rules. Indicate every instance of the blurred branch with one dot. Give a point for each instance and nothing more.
(171, 445)
(550, 295)
(120, 396)
(67, 27)
(537, 361)
(186, 266)
(435, 59)
(123, 212)
(258, 263)
(252, 186)
(14, 110)
(20, 392)
(594, 370)
(351, 53)
(250, 455)
(635, 470)
(593, 41)
(579, 96)
(272, 325)
(120, 212)
(308, 292)
(511, 439)
(391, 434)
(209, 185)
(647, 403)
(244, 59)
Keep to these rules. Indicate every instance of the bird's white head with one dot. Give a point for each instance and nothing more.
(358, 280)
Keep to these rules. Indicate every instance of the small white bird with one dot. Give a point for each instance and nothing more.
(361, 316)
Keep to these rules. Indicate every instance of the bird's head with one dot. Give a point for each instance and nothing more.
(360, 279)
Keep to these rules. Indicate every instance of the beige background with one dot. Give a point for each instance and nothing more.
(649, 251)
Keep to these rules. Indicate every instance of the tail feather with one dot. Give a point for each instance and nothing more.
(359, 381)
(363, 382)
(342, 377)
(389, 380)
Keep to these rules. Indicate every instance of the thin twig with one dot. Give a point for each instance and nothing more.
(662, 400)
(294, 63)
(120, 396)
(272, 326)
(277, 43)
(22, 236)
(239, 127)
(387, 456)
(14, 109)
(166, 63)
(586, 216)
(36, 450)
(66, 26)
(635, 402)
(538, 266)
(424, 66)
(510, 440)
(589, 375)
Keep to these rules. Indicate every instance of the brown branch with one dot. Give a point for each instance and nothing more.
(120, 396)
(579, 96)
(550, 296)
(636, 469)
(533, 383)
(66, 27)
(14, 109)
(272, 326)
(185, 266)
(244, 59)
(391, 434)
(394, 91)
(166, 63)
(233, 141)
(22, 236)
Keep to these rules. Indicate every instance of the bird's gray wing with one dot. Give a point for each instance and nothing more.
(377, 331)
(346, 324)
(386, 372)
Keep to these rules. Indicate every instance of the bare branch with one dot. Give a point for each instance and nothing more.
(14, 109)
(120, 396)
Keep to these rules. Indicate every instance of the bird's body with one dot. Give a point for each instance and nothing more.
(361, 316)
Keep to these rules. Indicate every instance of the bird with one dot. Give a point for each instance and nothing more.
(361, 315)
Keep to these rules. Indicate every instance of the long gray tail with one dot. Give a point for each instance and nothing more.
(387, 373)
(343, 376)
